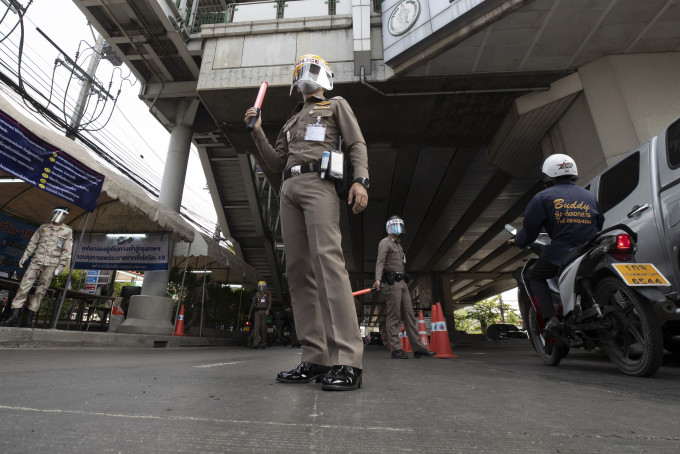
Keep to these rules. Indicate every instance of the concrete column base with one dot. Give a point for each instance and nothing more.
(148, 315)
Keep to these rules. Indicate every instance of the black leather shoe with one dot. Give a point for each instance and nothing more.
(424, 353)
(553, 328)
(399, 354)
(342, 378)
(303, 373)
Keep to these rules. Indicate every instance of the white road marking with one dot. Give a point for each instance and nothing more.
(219, 364)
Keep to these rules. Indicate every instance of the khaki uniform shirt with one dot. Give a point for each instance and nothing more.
(291, 147)
(50, 245)
(263, 300)
(390, 256)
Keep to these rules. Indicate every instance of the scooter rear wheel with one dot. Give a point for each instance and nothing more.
(551, 354)
(633, 342)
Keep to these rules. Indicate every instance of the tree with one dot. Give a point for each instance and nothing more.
(483, 314)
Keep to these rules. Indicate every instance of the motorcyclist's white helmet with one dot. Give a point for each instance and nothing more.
(395, 226)
(558, 166)
(310, 72)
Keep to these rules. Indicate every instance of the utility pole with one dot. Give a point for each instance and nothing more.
(79, 111)
(500, 299)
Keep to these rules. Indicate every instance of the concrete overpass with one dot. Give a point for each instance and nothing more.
(459, 101)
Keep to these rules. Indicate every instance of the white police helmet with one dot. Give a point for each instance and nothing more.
(395, 226)
(311, 71)
(557, 166)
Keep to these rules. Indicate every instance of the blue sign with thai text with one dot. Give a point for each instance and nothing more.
(28, 157)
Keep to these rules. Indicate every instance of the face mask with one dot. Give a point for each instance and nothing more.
(307, 86)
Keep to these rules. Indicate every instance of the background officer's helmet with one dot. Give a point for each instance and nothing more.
(261, 286)
(395, 226)
(558, 166)
(59, 214)
(312, 69)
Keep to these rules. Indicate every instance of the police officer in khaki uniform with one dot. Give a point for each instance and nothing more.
(50, 247)
(259, 311)
(390, 272)
(323, 306)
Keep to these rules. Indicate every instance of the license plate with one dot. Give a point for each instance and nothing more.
(635, 274)
(246, 329)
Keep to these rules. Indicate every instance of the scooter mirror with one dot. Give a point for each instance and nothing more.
(511, 229)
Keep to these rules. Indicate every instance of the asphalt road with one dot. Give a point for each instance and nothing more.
(225, 399)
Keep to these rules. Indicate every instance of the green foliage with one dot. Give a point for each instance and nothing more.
(477, 318)
(221, 308)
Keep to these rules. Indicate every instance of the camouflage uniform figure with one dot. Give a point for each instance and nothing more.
(50, 247)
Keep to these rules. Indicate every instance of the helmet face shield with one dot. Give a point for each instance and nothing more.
(311, 68)
(261, 286)
(395, 226)
(59, 214)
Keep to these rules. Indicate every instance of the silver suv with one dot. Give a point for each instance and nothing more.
(642, 190)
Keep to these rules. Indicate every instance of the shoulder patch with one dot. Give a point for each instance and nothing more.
(337, 97)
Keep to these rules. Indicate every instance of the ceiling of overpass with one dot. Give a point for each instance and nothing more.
(428, 130)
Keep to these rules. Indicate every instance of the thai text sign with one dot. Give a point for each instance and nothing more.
(28, 157)
(123, 252)
(14, 237)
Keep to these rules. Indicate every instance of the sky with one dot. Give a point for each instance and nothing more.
(132, 125)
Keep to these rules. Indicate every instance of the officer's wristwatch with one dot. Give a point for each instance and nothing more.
(363, 181)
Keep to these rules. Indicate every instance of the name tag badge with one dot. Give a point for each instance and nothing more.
(316, 132)
(60, 242)
(262, 300)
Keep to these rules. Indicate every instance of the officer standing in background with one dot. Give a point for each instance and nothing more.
(259, 311)
(390, 272)
(321, 295)
(50, 247)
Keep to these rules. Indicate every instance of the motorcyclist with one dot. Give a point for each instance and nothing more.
(570, 216)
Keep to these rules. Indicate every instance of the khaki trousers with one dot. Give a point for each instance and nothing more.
(260, 329)
(323, 306)
(399, 307)
(44, 275)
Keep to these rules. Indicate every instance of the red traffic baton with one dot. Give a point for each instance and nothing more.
(257, 106)
(366, 290)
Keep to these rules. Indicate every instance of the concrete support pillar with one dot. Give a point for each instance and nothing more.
(151, 312)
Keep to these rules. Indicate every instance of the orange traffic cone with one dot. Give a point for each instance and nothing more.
(405, 343)
(422, 330)
(443, 344)
(179, 327)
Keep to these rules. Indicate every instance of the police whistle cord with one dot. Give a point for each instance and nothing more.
(257, 106)
(366, 290)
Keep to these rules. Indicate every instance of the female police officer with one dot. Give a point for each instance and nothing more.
(321, 296)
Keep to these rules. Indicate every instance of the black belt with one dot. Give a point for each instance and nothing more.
(300, 169)
(258, 310)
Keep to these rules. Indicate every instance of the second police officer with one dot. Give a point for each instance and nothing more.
(390, 271)
(321, 296)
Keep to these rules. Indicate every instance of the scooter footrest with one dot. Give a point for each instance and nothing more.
(593, 311)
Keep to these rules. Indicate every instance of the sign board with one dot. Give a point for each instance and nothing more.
(28, 157)
(123, 252)
(14, 237)
(91, 280)
(93, 272)
(90, 287)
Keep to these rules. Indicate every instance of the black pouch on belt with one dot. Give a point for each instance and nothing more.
(388, 276)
